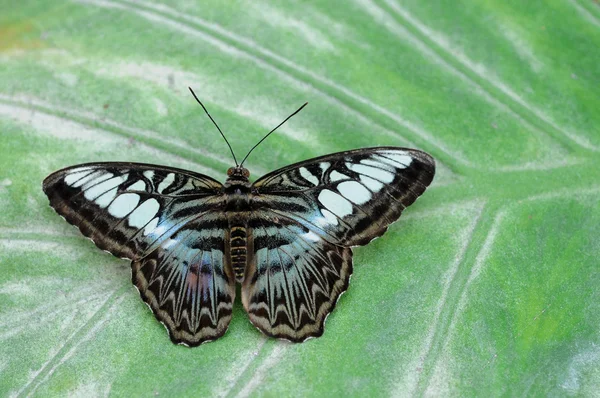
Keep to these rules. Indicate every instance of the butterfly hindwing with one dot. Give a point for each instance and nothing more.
(128, 209)
(187, 282)
(294, 279)
(348, 198)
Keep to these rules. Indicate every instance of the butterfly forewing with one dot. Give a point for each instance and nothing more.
(128, 209)
(348, 198)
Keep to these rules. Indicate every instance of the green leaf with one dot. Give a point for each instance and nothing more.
(488, 285)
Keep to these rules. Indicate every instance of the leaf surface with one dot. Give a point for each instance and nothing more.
(488, 284)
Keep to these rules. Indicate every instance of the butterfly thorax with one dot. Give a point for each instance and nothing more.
(237, 206)
(237, 194)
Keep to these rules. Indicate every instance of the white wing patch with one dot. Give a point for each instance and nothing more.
(123, 204)
(98, 189)
(337, 176)
(138, 186)
(308, 176)
(354, 192)
(329, 217)
(87, 179)
(149, 174)
(103, 193)
(99, 177)
(376, 173)
(74, 177)
(311, 236)
(151, 226)
(164, 184)
(373, 185)
(107, 198)
(144, 213)
(335, 203)
(400, 159)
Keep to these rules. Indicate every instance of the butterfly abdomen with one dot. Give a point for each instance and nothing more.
(237, 205)
(237, 246)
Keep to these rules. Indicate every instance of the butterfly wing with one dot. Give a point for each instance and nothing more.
(169, 222)
(294, 279)
(312, 212)
(349, 198)
(186, 282)
(129, 209)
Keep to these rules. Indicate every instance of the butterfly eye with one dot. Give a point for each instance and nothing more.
(246, 173)
(230, 171)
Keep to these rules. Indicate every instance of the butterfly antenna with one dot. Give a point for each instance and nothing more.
(265, 137)
(216, 125)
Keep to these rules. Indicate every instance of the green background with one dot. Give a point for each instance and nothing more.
(488, 285)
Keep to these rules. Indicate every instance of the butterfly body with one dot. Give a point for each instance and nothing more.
(237, 191)
(286, 238)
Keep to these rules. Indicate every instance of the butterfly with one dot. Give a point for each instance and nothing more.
(287, 238)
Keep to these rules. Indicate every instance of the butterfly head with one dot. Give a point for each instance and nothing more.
(238, 173)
